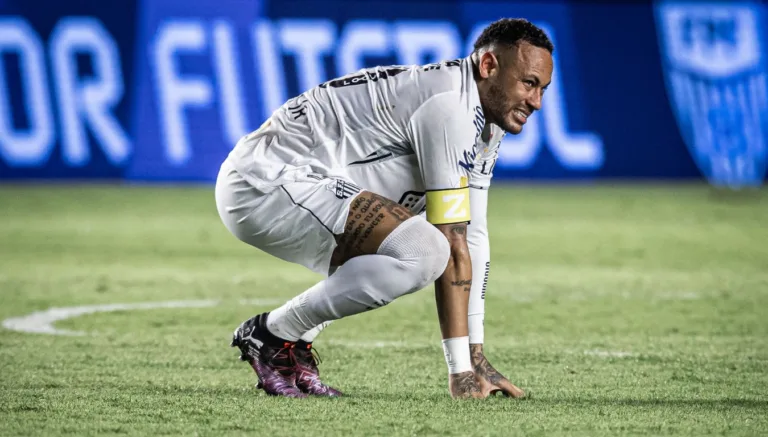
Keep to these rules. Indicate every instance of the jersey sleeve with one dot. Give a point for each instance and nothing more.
(442, 136)
(480, 253)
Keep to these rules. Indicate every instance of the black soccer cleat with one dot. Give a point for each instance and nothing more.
(272, 358)
(307, 373)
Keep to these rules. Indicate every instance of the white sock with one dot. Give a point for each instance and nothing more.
(363, 283)
(411, 257)
(310, 335)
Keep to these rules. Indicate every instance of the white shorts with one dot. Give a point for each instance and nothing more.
(296, 222)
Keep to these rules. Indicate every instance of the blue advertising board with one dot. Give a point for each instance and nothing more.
(162, 90)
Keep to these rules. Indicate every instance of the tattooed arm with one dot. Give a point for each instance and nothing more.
(452, 297)
(443, 136)
(489, 380)
(452, 288)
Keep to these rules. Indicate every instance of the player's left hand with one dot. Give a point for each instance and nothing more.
(489, 379)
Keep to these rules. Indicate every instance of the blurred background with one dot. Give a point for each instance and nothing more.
(636, 308)
(160, 91)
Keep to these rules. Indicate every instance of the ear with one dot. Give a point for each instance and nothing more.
(488, 65)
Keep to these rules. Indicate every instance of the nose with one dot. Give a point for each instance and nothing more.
(534, 101)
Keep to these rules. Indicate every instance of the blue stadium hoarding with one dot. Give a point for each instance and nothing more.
(161, 90)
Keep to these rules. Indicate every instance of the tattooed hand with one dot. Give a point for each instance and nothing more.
(489, 380)
(464, 386)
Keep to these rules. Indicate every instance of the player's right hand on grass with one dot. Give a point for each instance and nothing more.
(489, 379)
(464, 386)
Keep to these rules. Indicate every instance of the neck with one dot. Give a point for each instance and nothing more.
(481, 90)
(486, 135)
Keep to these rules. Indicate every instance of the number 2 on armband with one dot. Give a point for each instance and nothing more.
(455, 211)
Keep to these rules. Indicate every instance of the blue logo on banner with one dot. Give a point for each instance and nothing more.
(715, 69)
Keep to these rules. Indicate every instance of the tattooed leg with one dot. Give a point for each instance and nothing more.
(370, 220)
(384, 253)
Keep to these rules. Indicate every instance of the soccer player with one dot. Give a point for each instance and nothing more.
(379, 180)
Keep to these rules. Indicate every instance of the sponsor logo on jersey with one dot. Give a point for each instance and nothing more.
(715, 70)
(479, 121)
(468, 160)
(372, 75)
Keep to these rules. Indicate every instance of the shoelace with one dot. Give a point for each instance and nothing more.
(315, 357)
(274, 381)
(310, 359)
(309, 371)
(284, 354)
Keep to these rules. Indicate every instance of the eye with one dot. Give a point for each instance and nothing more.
(529, 83)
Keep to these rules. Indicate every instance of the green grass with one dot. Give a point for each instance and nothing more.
(620, 310)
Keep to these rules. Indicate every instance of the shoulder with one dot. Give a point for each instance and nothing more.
(443, 82)
(438, 77)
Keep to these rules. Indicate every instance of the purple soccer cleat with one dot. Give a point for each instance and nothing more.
(273, 359)
(307, 373)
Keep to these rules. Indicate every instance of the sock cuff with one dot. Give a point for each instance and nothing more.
(413, 238)
(267, 335)
(392, 239)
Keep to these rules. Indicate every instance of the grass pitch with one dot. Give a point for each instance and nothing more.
(620, 310)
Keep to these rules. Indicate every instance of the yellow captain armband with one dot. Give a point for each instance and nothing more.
(448, 206)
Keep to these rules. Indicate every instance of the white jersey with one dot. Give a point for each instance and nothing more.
(400, 131)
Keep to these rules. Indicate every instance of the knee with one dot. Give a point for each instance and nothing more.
(422, 250)
(434, 264)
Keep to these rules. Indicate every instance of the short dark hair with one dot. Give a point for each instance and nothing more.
(513, 31)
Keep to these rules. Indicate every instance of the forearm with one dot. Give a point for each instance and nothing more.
(452, 295)
(452, 298)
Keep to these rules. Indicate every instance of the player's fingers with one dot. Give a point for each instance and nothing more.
(489, 389)
(510, 390)
(497, 390)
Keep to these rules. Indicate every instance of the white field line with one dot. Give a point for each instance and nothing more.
(42, 322)
(608, 354)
